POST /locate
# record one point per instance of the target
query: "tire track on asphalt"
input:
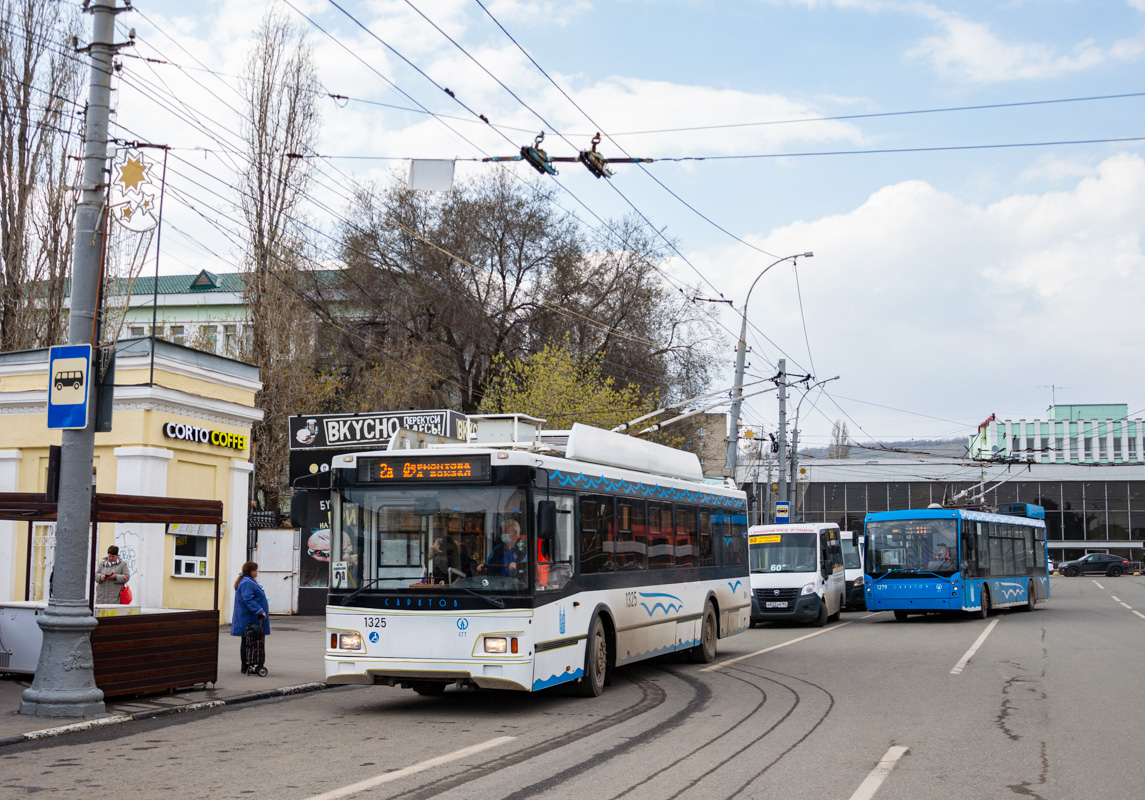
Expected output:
(747, 669)
(702, 694)
(710, 742)
(652, 696)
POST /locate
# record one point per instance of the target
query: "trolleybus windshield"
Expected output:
(430, 537)
(912, 546)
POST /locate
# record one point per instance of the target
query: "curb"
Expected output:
(117, 719)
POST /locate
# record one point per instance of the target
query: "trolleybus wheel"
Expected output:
(705, 651)
(821, 620)
(429, 688)
(984, 611)
(1031, 597)
(595, 661)
(900, 615)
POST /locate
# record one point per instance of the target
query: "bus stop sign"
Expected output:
(69, 373)
(782, 512)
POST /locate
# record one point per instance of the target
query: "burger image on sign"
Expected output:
(318, 545)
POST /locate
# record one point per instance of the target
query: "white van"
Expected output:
(853, 555)
(796, 572)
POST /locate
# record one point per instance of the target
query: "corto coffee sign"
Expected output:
(191, 433)
(358, 430)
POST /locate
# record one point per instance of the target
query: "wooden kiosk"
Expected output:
(156, 649)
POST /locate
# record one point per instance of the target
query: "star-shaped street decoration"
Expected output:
(133, 172)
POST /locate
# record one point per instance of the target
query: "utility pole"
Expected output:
(64, 685)
(781, 456)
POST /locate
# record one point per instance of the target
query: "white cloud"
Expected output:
(968, 305)
(970, 50)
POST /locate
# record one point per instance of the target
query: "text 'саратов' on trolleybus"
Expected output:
(956, 559)
(509, 564)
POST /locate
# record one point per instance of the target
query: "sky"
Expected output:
(954, 275)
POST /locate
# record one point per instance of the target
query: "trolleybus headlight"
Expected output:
(350, 641)
(808, 589)
(495, 644)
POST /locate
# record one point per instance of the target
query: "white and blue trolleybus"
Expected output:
(527, 564)
(956, 559)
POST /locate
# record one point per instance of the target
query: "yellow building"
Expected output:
(181, 428)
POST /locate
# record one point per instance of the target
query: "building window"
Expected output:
(136, 331)
(1059, 448)
(1116, 447)
(177, 334)
(190, 557)
(159, 332)
(703, 431)
(230, 339)
(210, 338)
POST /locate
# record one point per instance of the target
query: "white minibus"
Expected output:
(796, 572)
(853, 570)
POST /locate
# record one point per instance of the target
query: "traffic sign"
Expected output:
(69, 374)
(782, 511)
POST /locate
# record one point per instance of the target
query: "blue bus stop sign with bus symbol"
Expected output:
(69, 373)
(782, 512)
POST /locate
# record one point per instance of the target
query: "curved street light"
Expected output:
(741, 350)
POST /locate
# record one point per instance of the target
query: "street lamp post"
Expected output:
(741, 351)
(794, 491)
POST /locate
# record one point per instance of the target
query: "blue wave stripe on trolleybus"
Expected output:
(582, 481)
(564, 677)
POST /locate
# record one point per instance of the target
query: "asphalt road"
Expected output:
(1045, 707)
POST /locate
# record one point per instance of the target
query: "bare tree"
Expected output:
(281, 125)
(840, 446)
(39, 86)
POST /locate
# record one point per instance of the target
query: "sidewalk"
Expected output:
(294, 657)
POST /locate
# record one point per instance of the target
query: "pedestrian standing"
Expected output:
(110, 577)
(251, 608)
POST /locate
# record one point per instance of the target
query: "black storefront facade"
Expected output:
(317, 439)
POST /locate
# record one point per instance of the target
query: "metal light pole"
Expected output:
(64, 685)
(741, 351)
(794, 492)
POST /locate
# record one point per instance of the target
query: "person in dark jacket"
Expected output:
(251, 607)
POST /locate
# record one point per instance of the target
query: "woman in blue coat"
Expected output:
(251, 607)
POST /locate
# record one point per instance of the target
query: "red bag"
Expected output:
(125, 595)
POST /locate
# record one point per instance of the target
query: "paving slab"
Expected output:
(294, 660)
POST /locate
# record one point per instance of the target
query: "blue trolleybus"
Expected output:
(525, 564)
(955, 559)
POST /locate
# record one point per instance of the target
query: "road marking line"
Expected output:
(873, 613)
(1126, 605)
(723, 664)
(973, 649)
(388, 777)
(880, 773)
(1098, 585)
(1116, 599)
(1138, 613)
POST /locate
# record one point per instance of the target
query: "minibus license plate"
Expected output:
(777, 605)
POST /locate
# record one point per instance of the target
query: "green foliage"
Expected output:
(562, 387)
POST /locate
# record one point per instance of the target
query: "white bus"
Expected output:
(624, 553)
(796, 572)
(853, 544)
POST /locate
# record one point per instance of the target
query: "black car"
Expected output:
(1094, 564)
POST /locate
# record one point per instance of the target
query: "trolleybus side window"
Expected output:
(632, 544)
(597, 534)
(686, 536)
(555, 566)
(660, 545)
(708, 535)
